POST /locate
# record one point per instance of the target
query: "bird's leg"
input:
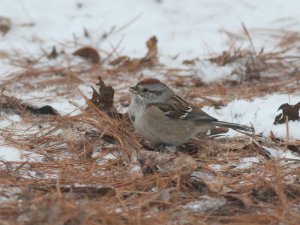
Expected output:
(165, 148)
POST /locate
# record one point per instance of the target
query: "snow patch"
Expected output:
(260, 112)
(280, 153)
(8, 153)
(209, 72)
(247, 162)
(206, 203)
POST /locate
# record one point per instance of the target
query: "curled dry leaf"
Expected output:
(289, 111)
(53, 54)
(104, 98)
(150, 59)
(89, 54)
(151, 56)
(5, 25)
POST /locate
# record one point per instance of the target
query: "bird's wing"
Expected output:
(178, 108)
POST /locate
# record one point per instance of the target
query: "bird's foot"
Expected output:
(165, 148)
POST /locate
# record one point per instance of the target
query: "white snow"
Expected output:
(244, 163)
(104, 159)
(280, 153)
(205, 203)
(209, 72)
(136, 169)
(8, 120)
(202, 175)
(189, 28)
(8, 153)
(247, 162)
(215, 166)
(261, 113)
(10, 193)
(185, 30)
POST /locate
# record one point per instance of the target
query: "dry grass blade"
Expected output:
(92, 168)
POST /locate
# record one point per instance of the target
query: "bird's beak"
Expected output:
(133, 90)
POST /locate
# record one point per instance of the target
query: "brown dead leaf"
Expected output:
(150, 59)
(294, 148)
(151, 56)
(272, 136)
(189, 62)
(104, 98)
(53, 54)
(3, 54)
(289, 111)
(5, 25)
(89, 54)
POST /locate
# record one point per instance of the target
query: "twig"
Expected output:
(249, 38)
(287, 131)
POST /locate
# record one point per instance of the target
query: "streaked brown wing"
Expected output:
(178, 108)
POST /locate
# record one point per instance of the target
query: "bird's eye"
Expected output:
(145, 90)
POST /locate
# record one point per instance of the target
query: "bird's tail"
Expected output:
(234, 126)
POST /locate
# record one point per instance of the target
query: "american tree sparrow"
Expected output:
(162, 117)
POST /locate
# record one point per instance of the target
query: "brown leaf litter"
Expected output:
(289, 113)
(124, 63)
(104, 98)
(10, 104)
(89, 54)
(5, 25)
(96, 170)
(53, 54)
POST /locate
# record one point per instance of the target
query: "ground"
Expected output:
(69, 154)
